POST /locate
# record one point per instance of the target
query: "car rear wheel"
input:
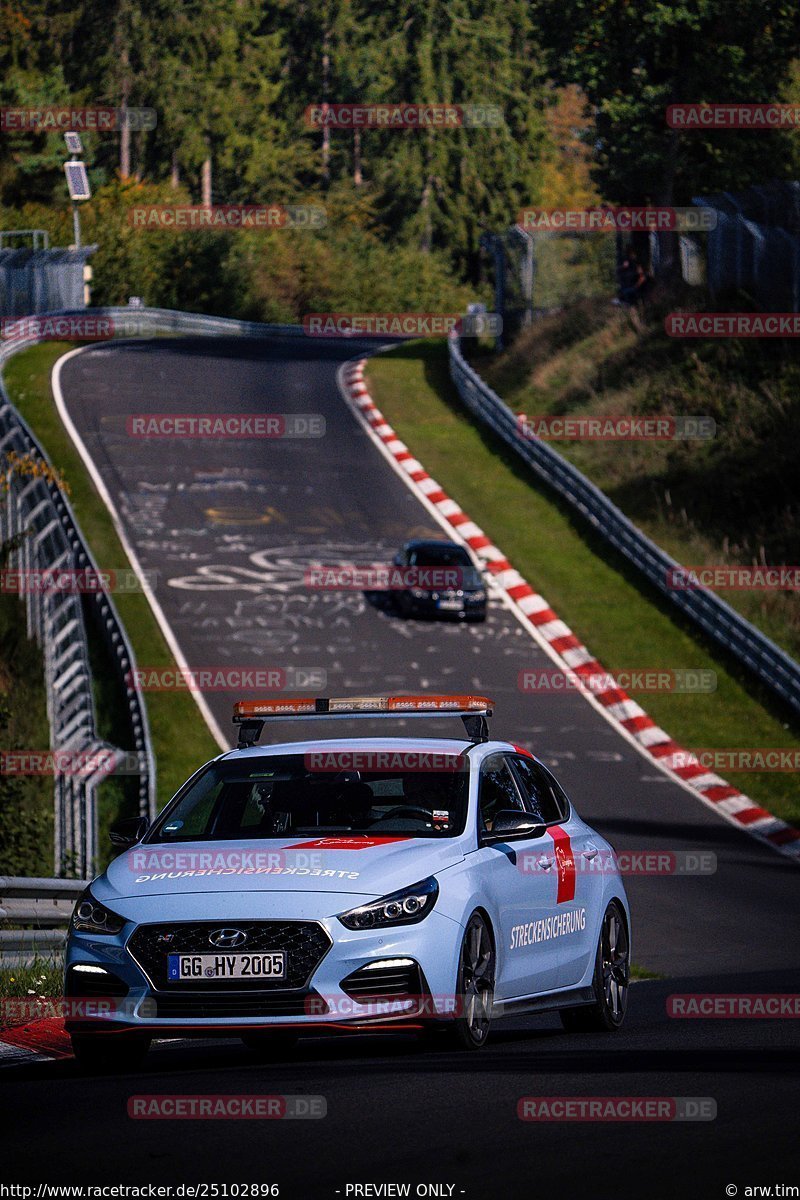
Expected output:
(611, 980)
(109, 1051)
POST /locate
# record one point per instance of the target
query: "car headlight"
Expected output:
(479, 594)
(90, 917)
(406, 907)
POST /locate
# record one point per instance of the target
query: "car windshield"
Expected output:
(443, 555)
(413, 795)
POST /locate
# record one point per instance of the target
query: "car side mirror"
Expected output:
(128, 831)
(509, 824)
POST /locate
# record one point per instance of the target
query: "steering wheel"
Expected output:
(407, 810)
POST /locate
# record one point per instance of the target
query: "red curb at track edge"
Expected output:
(731, 804)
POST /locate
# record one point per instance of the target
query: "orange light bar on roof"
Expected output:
(439, 703)
(358, 704)
(250, 709)
(379, 705)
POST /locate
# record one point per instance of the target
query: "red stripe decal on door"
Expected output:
(565, 862)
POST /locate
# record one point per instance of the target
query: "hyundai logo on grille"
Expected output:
(227, 939)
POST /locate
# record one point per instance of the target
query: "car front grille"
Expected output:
(248, 1004)
(305, 944)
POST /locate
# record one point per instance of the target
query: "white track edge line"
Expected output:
(158, 612)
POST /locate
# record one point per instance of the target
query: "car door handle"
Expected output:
(590, 852)
(546, 863)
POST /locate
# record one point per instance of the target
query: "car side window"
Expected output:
(562, 799)
(497, 790)
(541, 797)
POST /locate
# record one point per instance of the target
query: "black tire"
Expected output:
(474, 992)
(611, 980)
(266, 1044)
(109, 1051)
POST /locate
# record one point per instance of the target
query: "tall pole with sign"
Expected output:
(77, 181)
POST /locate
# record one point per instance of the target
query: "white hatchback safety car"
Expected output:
(351, 884)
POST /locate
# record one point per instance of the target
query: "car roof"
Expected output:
(434, 542)
(379, 745)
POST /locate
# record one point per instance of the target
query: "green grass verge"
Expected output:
(181, 740)
(42, 980)
(623, 622)
(26, 802)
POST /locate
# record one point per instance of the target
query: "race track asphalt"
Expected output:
(229, 528)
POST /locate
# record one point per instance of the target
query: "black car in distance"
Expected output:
(442, 581)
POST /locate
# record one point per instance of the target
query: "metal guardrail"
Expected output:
(45, 904)
(717, 619)
(137, 322)
(36, 513)
(39, 513)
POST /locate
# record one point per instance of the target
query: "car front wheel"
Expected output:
(474, 992)
(612, 970)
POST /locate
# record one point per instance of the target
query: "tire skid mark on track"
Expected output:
(564, 647)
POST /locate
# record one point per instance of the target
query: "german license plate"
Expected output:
(182, 967)
(451, 605)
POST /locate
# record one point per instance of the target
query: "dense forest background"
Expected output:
(582, 87)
